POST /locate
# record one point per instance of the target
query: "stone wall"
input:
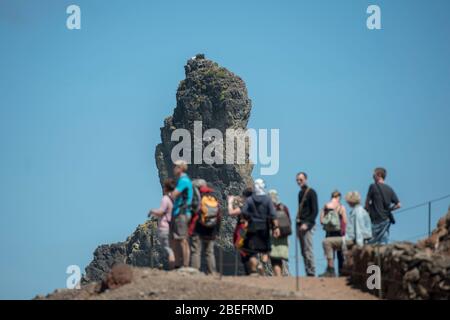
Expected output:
(408, 270)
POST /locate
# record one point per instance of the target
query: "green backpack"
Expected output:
(332, 220)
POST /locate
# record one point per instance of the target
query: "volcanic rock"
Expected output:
(218, 98)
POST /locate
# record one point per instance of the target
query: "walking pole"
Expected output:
(151, 244)
(297, 279)
(236, 263)
(221, 261)
(380, 291)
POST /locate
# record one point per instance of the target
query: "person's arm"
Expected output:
(359, 226)
(322, 214)
(395, 201)
(368, 198)
(181, 185)
(286, 210)
(246, 213)
(273, 216)
(178, 190)
(161, 210)
(350, 228)
(272, 211)
(344, 215)
(310, 220)
(303, 225)
(233, 211)
(314, 208)
(175, 194)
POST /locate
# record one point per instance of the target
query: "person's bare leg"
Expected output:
(265, 258)
(171, 259)
(277, 270)
(186, 252)
(175, 244)
(261, 262)
(329, 252)
(330, 263)
(252, 264)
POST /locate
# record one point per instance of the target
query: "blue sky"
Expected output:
(80, 111)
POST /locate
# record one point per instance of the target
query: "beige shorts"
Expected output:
(179, 227)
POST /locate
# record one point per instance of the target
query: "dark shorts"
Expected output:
(179, 227)
(257, 242)
(276, 261)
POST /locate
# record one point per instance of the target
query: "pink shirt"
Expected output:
(166, 208)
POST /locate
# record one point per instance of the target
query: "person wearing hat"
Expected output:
(203, 233)
(259, 211)
(358, 232)
(279, 253)
(234, 206)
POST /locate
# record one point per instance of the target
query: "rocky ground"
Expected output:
(152, 284)
(219, 98)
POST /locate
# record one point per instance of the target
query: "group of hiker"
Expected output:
(190, 216)
(189, 219)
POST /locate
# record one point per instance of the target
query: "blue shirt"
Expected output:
(359, 225)
(184, 186)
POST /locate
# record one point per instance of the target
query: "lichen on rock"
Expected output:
(218, 98)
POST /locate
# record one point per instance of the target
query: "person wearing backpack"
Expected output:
(259, 211)
(164, 216)
(333, 218)
(235, 205)
(279, 253)
(381, 201)
(181, 214)
(205, 227)
(358, 232)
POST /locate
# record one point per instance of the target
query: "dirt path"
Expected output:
(150, 284)
(310, 288)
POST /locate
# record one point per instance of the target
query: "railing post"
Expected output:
(429, 218)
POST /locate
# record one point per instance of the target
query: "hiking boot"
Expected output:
(329, 273)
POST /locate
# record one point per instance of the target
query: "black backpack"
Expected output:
(284, 221)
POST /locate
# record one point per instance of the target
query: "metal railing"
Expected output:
(236, 263)
(423, 204)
